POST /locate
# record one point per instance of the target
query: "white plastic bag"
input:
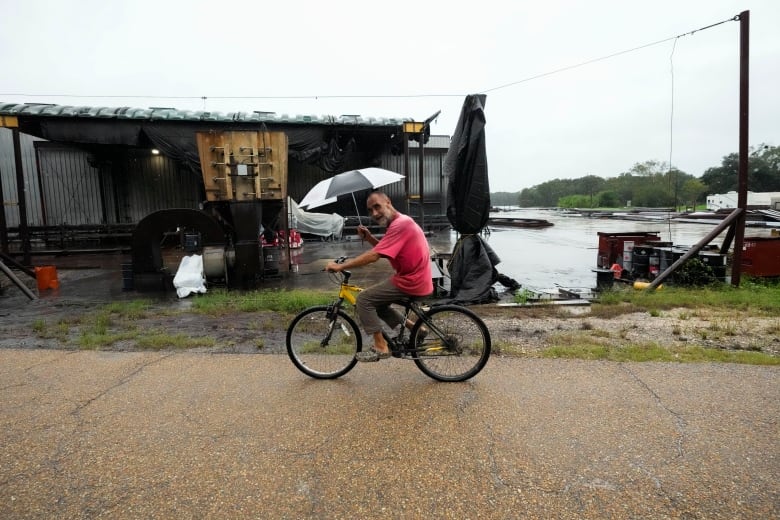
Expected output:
(189, 278)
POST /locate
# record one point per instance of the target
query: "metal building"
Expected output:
(83, 177)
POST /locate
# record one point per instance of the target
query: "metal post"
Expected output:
(26, 290)
(744, 96)
(728, 221)
(3, 223)
(406, 170)
(421, 174)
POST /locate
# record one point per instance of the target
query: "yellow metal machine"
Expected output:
(245, 181)
(243, 166)
(245, 178)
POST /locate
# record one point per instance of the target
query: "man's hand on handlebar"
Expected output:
(336, 265)
(333, 267)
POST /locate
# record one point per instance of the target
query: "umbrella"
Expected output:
(468, 191)
(472, 264)
(325, 192)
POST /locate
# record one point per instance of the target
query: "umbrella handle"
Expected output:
(357, 211)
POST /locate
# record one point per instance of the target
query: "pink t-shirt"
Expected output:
(405, 245)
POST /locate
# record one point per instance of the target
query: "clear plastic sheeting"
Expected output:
(320, 224)
(189, 278)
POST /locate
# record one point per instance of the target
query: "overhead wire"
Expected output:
(387, 96)
(613, 55)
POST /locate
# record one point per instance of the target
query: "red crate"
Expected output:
(612, 246)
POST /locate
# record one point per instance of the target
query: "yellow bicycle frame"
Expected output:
(349, 292)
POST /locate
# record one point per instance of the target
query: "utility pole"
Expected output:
(744, 96)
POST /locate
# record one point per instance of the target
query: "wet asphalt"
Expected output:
(184, 435)
(91, 434)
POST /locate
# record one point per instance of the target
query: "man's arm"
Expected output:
(369, 257)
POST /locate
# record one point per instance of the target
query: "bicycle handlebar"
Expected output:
(345, 274)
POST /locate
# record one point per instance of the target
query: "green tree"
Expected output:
(575, 201)
(692, 191)
(607, 199)
(723, 178)
(763, 171)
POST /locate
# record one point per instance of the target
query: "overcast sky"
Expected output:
(677, 99)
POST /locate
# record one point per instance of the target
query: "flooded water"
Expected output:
(565, 253)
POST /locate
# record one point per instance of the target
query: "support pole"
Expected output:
(3, 223)
(744, 96)
(26, 290)
(421, 174)
(406, 171)
(733, 216)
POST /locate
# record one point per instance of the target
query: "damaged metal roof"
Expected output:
(173, 114)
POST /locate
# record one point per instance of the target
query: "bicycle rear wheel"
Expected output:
(456, 346)
(323, 344)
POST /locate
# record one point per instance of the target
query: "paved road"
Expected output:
(183, 435)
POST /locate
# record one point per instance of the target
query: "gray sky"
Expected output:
(413, 58)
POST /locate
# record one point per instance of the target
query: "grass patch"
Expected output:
(132, 310)
(502, 347)
(59, 331)
(751, 297)
(39, 326)
(147, 340)
(219, 302)
(654, 352)
(90, 340)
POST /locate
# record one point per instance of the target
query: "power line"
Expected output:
(602, 58)
(384, 96)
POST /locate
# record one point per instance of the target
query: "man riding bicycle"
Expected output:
(405, 246)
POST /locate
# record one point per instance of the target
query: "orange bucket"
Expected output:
(46, 276)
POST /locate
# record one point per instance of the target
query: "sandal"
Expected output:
(371, 355)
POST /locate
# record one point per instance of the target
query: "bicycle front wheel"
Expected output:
(456, 346)
(323, 344)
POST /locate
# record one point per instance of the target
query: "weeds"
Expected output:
(220, 302)
(654, 352)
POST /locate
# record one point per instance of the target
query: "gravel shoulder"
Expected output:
(524, 331)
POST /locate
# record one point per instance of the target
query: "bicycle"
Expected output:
(447, 342)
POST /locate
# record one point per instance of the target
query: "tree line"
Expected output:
(651, 184)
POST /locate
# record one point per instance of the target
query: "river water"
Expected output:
(565, 254)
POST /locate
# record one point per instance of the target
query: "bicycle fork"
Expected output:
(333, 314)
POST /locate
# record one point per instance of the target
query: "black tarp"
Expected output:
(472, 264)
(326, 146)
(468, 190)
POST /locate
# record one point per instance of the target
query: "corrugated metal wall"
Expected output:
(141, 184)
(8, 178)
(302, 177)
(70, 187)
(77, 190)
(123, 188)
(433, 183)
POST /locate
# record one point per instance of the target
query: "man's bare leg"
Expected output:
(380, 345)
